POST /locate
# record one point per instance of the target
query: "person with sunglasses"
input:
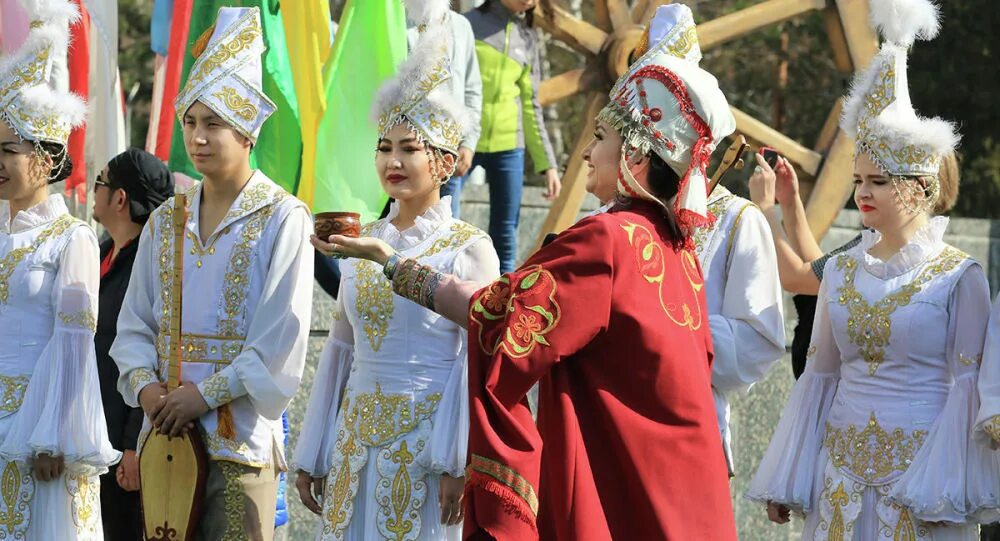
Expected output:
(126, 192)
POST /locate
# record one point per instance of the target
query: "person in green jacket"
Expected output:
(507, 46)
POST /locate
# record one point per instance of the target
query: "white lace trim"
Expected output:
(927, 241)
(40, 214)
(424, 226)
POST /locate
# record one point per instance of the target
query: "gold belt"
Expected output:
(202, 348)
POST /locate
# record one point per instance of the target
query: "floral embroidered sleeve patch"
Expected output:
(514, 313)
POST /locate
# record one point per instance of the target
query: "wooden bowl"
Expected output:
(347, 224)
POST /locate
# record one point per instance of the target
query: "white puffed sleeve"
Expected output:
(317, 434)
(62, 413)
(449, 439)
(787, 472)
(984, 490)
(934, 487)
(134, 348)
(748, 336)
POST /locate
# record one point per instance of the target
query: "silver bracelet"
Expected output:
(391, 264)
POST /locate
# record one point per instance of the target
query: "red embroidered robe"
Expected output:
(613, 324)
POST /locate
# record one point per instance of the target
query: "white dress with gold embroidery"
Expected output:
(51, 397)
(744, 300)
(393, 376)
(876, 439)
(987, 488)
(246, 313)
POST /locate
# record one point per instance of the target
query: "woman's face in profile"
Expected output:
(603, 156)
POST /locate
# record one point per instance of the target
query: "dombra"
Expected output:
(172, 470)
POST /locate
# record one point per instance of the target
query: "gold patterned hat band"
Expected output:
(419, 94)
(878, 110)
(227, 76)
(28, 102)
(671, 31)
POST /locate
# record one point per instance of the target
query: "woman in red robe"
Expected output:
(610, 320)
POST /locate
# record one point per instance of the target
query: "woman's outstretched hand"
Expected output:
(362, 248)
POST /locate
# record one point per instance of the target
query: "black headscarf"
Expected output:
(145, 179)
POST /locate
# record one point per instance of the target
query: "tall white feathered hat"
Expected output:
(667, 104)
(227, 76)
(419, 95)
(878, 111)
(426, 11)
(30, 101)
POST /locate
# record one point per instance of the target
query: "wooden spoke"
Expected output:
(808, 160)
(618, 13)
(643, 10)
(579, 35)
(838, 41)
(862, 42)
(830, 127)
(565, 208)
(566, 84)
(740, 23)
(602, 16)
(833, 186)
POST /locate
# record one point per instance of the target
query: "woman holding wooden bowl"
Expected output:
(383, 445)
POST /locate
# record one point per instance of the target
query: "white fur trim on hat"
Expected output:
(904, 21)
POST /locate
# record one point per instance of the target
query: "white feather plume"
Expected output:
(68, 107)
(904, 21)
(423, 57)
(47, 98)
(430, 50)
(56, 17)
(426, 11)
(54, 12)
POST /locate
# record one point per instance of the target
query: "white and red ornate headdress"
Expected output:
(228, 74)
(33, 99)
(668, 105)
(878, 111)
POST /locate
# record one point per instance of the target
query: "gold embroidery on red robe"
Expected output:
(649, 255)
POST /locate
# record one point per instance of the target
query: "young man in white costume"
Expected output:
(738, 261)
(53, 437)
(247, 292)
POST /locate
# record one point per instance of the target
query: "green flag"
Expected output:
(278, 151)
(369, 45)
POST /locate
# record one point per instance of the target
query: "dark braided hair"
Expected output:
(62, 164)
(664, 184)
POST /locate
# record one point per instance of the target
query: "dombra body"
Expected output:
(172, 470)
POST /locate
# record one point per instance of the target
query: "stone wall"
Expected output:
(755, 414)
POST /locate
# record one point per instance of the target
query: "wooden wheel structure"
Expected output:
(607, 43)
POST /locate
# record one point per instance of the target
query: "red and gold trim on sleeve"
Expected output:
(514, 491)
(515, 312)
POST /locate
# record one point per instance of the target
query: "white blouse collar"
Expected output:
(45, 212)
(927, 241)
(425, 224)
